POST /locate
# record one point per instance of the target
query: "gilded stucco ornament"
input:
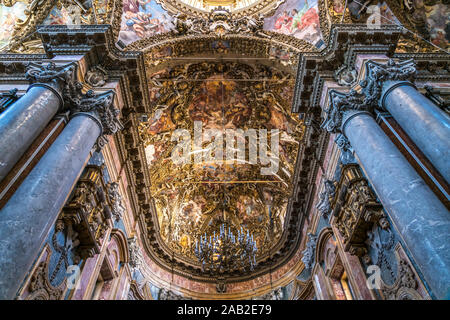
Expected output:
(36, 13)
(219, 22)
(40, 287)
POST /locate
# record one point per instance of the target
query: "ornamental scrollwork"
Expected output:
(377, 74)
(40, 287)
(339, 104)
(88, 212)
(65, 75)
(220, 22)
(102, 107)
(36, 13)
(356, 210)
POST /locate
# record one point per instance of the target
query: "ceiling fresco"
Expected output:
(194, 198)
(146, 18)
(73, 13)
(211, 4)
(297, 18)
(142, 19)
(9, 17)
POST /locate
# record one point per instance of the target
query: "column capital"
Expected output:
(61, 79)
(380, 78)
(99, 107)
(341, 108)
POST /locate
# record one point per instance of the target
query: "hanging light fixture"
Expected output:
(226, 252)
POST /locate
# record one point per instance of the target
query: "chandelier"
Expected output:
(226, 252)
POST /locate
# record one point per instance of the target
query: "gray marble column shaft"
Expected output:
(27, 218)
(420, 218)
(426, 124)
(24, 120)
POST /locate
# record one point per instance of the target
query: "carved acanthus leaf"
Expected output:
(102, 107)
(377, 73)
(338, 105)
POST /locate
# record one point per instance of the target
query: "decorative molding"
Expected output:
(89, 212)
(356, 210)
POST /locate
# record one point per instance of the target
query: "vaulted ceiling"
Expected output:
(230, 68)
(192, 199)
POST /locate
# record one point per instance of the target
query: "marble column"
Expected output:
(27, 218)
(421, 219)
(24, 120)
(425, 123)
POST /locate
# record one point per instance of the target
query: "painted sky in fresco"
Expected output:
(8, 18)
(142, 19)
(297, 18)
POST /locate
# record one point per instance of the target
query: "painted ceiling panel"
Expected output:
(194, 198)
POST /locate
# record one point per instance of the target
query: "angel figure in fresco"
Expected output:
(137, 21)
(283, 23)
(305, 18)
